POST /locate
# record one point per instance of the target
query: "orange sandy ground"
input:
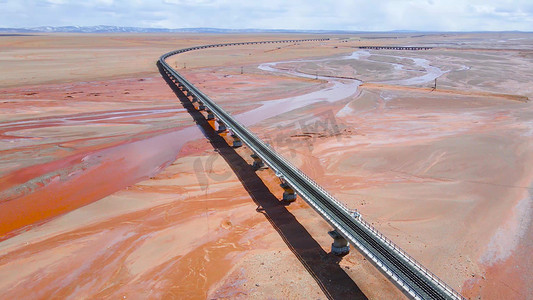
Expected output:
(408, 160)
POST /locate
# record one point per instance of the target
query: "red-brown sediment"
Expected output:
(442, 174)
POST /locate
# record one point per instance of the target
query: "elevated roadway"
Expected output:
(395, 48)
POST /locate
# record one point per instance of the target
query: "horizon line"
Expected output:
(39, 28)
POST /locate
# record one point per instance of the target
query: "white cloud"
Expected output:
(57, 1)
(429, 15)
(105, 2)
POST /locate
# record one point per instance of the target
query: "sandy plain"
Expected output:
(108, 188)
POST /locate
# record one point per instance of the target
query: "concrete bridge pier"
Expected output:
(210, 115)
(258, 162)
(289, 195)
(201, 105)
(221, 126)
(237, 142)
(340, 246)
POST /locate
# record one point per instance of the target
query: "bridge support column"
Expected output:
(340, 246)
(258, 162)
(236, 141)
(210, 115)
(221, 126)
(201, 106)
(289, 195)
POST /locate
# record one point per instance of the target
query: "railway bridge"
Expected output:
(349, 227)
(395, 48)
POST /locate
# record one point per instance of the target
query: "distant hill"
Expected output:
(118, 29)
(125, 29)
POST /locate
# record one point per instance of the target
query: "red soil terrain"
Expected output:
(110, 189)
(84, 145)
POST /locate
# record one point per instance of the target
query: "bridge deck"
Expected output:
(395, 48)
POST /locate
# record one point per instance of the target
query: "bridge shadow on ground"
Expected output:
(324, 267)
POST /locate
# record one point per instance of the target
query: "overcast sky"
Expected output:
(377, 15)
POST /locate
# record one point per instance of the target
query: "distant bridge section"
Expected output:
(395, 48)
(410, 276)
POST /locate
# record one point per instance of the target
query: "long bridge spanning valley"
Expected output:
(349, 227)
(394, 48)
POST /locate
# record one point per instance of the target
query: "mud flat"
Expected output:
(125, 197)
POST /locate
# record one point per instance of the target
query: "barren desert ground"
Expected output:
(109, 187)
